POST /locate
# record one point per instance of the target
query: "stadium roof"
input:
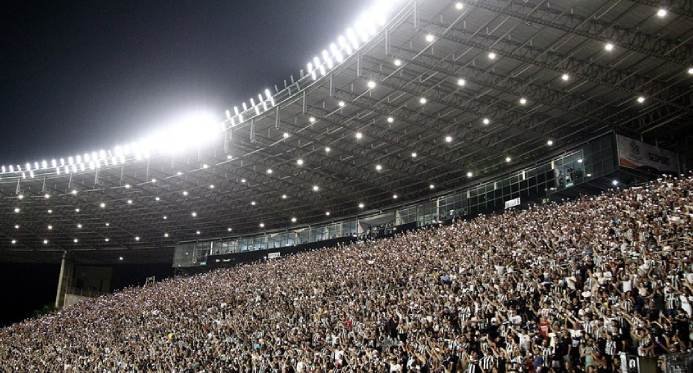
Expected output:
(417, 93)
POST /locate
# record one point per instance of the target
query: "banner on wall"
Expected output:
(274, 255)
(512, 203)
(638, 155)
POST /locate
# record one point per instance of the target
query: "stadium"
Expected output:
(473, 186)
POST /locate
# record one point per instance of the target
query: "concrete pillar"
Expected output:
(64, 280)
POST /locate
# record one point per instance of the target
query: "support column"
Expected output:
(64, 280)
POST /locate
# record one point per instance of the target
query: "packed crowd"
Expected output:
(560, 287)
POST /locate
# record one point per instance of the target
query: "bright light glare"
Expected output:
(187, 131)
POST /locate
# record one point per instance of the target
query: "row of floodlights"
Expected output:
(365, 28)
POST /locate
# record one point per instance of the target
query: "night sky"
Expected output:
(81, 76)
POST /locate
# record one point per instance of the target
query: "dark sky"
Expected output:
(80, 76)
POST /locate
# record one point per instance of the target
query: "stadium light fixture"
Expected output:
(459, 5)
(181, 133)
(262, 225)
(565, 77)
(75, 240)
(79, 226)
(549, 142)
(371, 84)
(359, 135)
(486, 121)
(193, 214)
(662, 12)
(470, 174)
(50, 211)
(395, 196)
(45, 242)
(166, 235)
(523, 101)
(13, 242)
(327, 149)
(229, 229)
(508, 159)
(430, 38)
(362, 205)
(327, 213)
(102, 205)
(157, 198)
(461, 82)
(269, 171)
(46, 196)
(20, 197)
(390, 120)
(690, 70)
(311, 119)
(17, 210)
(378, 167)
(341, 104)
(414, 155)
(253, 203)
(431, 186)
(640, 99)
(448, 139)
(49, 227)
(293, 219)
(137, 238)
(609, 47)
(16, 226)
(299, 162)
(397, 62)
(285, 135)
(284, 196)
(492, 56)
(316, 188)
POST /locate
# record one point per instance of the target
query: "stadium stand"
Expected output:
(578, 286)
